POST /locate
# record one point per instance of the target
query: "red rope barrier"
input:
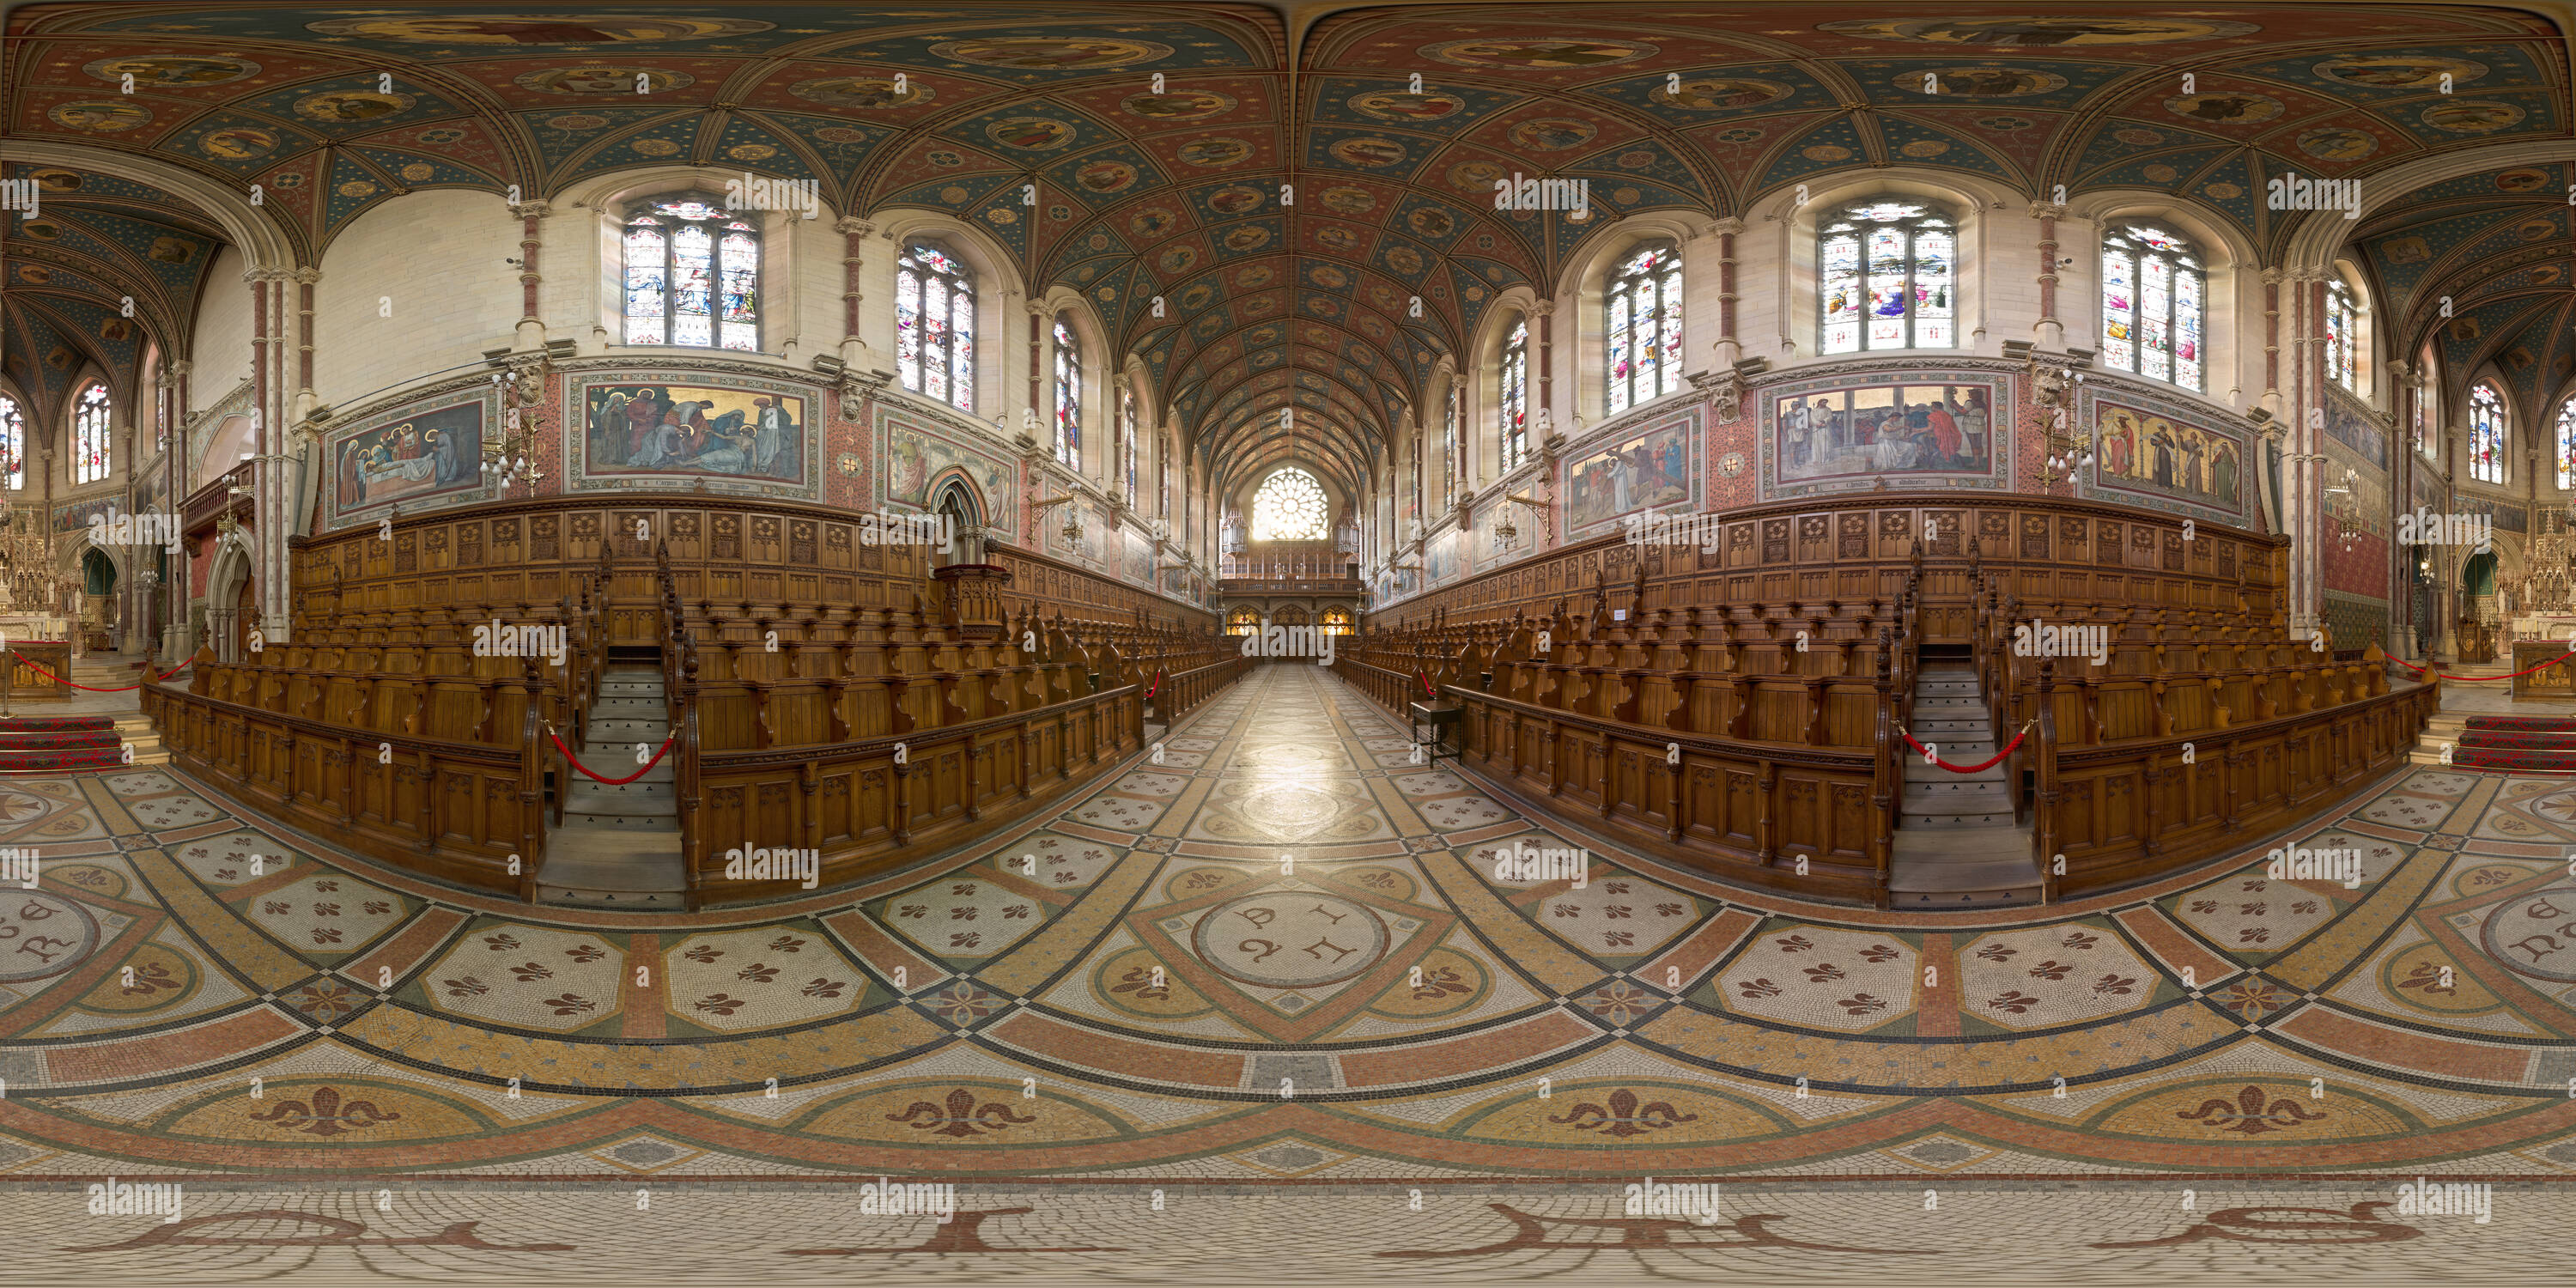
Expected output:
(125, 688)
(1156, 686)
(2474, 679)
(1970, 769)
(575, 762)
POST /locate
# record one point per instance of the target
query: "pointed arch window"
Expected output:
(2486, 433)
(2567, 445)
(92, 435)
(1514, 401)
(2423, 400)
(1449, 451)
(1289, 507)
(13, 442)
(2341, 335)
(934, 325)
(1127, 442)
(692, 276)
(2153, 304)
(1068, 396)
(1644, 327)
(1888, 277)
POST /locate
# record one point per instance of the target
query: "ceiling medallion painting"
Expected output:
(2224, 109)
(1391, 105)
(1178, 106)
(102, 117)
(340, 106)
(1051, 54)
(2472, 118)
(1539, 55)
(598, 79)
(553, 29)
(2040, 32)
(1979, 82)
(1029, 133)
(173, 71)
(1719, 95)
(2400, 71)
(866, 93)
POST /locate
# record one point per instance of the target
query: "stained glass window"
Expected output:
(1068, 396)
(2152, 305)
(1514, 402)
(934, 325)
(2566, 443)
(1163, 475)
(2486, 434)
(1127, 441)
(1645, 327)
(1289, 507)
(1449, 452)
(13, 442)
(2340, 334)
(1887, 278)
(692, 276)
(91, 435)
(2426, 441)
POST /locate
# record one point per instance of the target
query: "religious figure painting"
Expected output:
(1885, 429)
(645, 429)
(1650, 469)
(917, 458)
(409, 455)
(2139, 451)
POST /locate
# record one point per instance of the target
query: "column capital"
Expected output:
(532, 209)
(1728, 227)
(308, 276)
(2048, 210)
(851, 225)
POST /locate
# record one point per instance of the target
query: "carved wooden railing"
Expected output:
(465, 812)
(1757, 812)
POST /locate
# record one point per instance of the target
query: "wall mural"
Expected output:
(1636, 471)
(430, 449)
(644, 430)
(918, 452)
(2143, 457)
(1439, 560)
(1140, 559)
(76, 516)
(1940, 429)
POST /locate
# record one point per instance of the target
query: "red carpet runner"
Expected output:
(40, 744)
(2518, 742)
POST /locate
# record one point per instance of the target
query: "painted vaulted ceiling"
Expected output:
(1177, 192)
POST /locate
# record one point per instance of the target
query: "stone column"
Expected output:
(854, 236)
(1729, 350)
(532, 326)
(2049, 334)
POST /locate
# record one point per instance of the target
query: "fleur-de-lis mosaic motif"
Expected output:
(964, 1117)
(1624, 1117)
(325, 1115)
(2251, 1113)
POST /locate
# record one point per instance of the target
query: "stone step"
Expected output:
(622, 822)
(1978, 726)
(622, 733)
(1975, 705)
(653, 793)
(1959, 794)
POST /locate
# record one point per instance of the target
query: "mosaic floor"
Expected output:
(1273, 981)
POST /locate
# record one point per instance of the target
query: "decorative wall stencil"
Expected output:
(2143, 457)
(919, 452)
(656, 430)
(1637, 469)
(426, 450)
(1935, 429)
